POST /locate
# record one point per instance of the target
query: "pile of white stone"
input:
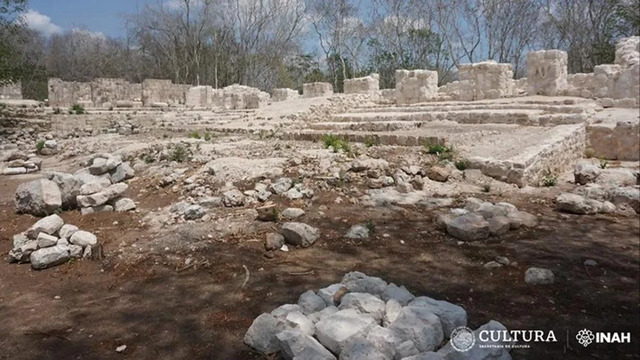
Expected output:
(96, 188)
(18, 162)
(50, 242)
(363, 317)
(479, 220)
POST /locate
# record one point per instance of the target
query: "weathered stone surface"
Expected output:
(521, 218)
(102, 165)
(281, 185)
(273, 241)
(296, 345)
(626, 195)
(83, 238)
(194, 212)
(96, 209)
(39, 197)
(539, 276)
(67, 230)
(391, 311)
(48, 225)
(356, 281)
(21, 253)
(400, 294)
(69, 187)
(577, 204)
(232, 198)
(48, 257)
(95, 186)
(451, 316)
(123, 204)
(358, 232)
(122, 172)
(419, 325)
(310, 302)
(103, 196)
(499, 225)
(46, 240)
(361, 348)
(585, 172)
(297, 321)
(317, 316)
(364, 303)
(75, 251)
(406, 349)
(292, 213)
(469, 227)
(439, 173)
(261, 336)
(300, 234)
(334, 331)
(282, 311)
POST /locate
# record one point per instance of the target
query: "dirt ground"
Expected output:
(162, 308)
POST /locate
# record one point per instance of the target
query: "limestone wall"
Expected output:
(316, 89)
(416, 86)
(547, 72)
(67, 93)
(283, 94)
(12, 91)
(156, 91)
(111, 92)
(621, 142)
(365, 84)
(488, 80)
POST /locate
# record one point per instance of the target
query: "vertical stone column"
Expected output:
(547, 72)
(416, 86)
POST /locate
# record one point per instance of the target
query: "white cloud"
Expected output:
(41, 23)
(89, 33)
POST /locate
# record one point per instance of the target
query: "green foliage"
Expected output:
(194, 135)
(148, 159)
(604, 163)
(3, 106)
(437, 149)
(369, 224)
(462, 164)
(330, 140)
(178, 154)
(77, 109)
(549, 180)
(486, 188)
(371, 141)
(39, 145)
(207, 136)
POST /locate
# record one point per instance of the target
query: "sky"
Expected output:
(99, 16)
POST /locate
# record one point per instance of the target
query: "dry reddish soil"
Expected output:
(162, 309)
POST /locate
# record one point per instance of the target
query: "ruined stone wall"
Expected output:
(547, 72)
(316, 89)
(488, 80)
(204, 96)
(621, 142)
(64, 94)
(161, 92)
(284, 94)
(12, 91)
(107, 92)
(365, 84)
(416, 86)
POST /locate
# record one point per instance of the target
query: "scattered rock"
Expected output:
(300, 234)
(39, 197)
(539, 276)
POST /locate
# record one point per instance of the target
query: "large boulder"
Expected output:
(585, 172)
(102, 197)
(470, 227)
(538, 276)
(310, 302)
(420, 325)
(48, 225)
(451, 316)
(300, 234)
(69, 187)
(577, 204)
(365, 304)
(121, 173)
(296, 345)
(50, 256)
(261, 335)
(335, 331)
(39, 197)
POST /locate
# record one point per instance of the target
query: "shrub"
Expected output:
(437, 149)
(370, 141)
(194, 135)
(462, 165)
(77, 109)
(39, 145)
(178, 154)
(486, 188)
(207, 136)
(336, 143)
(549, 180)
(604, 163)
(369, 224)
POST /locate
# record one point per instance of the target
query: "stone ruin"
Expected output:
(367, 84)
(415, 86)
(284, 94)
(233, 97)
(107, 93)
(547, 72)
(11, 91)
(317, 89)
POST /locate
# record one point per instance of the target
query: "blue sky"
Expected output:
(103, 16)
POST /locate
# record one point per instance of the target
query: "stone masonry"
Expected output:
(416, 86)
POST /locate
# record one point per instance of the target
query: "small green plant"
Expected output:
(604, 163)
(77, 109)
(3, 106)
(178, 154)
(149, 159)
(549, 180)
(40, 146)
(336, 143)
(207, 136)
(486, 188)
(276, 215)
(437, 149)
(194, 135)
(369, 224)
(462, 165)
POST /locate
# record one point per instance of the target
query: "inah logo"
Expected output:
(585, 337)
(462, 339)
